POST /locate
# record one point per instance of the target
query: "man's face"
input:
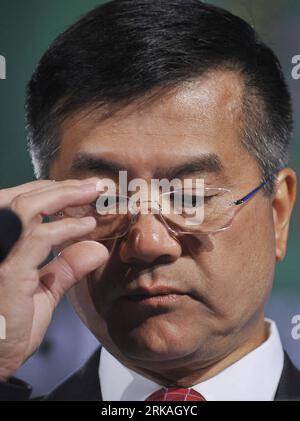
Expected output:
(225, 276)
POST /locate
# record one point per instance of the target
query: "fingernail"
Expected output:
(88, 220)
(99, 185)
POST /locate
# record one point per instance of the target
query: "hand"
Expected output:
(28, 295)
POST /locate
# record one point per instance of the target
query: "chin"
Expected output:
(155, 340)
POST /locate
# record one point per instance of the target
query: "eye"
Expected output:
(190, 200)
(209, 198)
(186, 199)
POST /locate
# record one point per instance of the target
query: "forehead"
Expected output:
(200, 117)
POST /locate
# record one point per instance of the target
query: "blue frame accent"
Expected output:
(251, 194)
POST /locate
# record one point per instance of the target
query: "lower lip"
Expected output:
(156, 300)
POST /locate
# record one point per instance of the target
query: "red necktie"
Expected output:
(175, 394)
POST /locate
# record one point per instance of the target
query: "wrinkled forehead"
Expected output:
(200, 119)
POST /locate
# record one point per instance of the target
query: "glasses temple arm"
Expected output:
(251, 194)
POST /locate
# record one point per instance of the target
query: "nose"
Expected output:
(148, 240)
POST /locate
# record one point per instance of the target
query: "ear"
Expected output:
(282, 204)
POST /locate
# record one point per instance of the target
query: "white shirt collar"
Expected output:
(254, 377)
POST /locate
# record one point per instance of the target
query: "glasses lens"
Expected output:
(110, 212)
(198, 210)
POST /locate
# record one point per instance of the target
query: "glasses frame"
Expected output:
(177, 233)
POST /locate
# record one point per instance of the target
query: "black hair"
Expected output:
(125, 49)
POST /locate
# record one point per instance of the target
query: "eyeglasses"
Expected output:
(182, 211)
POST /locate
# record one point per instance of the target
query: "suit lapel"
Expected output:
(83, 385)
(289, 385)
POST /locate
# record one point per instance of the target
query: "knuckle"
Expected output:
(20, 202)
(48, 233)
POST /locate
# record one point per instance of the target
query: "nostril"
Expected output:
(163, 259)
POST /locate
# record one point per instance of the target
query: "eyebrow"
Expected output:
(205, 163)
(84, 161)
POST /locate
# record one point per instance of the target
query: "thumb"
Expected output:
(71, 265)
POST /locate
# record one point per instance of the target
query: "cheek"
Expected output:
(240, 268)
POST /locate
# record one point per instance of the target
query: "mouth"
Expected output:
(159, 295)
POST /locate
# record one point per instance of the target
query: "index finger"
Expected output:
(8, 194)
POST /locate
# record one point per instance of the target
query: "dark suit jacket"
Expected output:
(84, 385)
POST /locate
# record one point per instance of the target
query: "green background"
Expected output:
(28, 27)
